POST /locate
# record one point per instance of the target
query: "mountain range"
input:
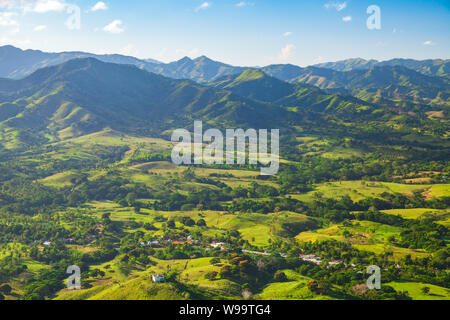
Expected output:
(59, 96)
(398, 82)
(86, 95)
(378, 82)
(16, 63)
(431, 67)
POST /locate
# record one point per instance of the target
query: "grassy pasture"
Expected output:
(294, 289)
(139, 286)
(398, 252)
(414, 213)
(361, 232)
(359, 190)
(415, 290)
(60, 180)
(363, 235)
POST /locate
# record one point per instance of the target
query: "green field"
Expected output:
(358, 190)
(415, 212)
(415, 290)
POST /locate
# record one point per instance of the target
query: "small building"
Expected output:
(311, 258)
(158, 278)
(217, 244)
(47, 243)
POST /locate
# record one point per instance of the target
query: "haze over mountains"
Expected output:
(16, 63)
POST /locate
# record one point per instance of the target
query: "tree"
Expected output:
(171, 224)
(131, 198)
(324, 287)
(425, 290)
(313, 286)
(187, 221)
(225, 272)
(211, 275)
(280, 276)
(5, 288)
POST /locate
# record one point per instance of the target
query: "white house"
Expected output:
(158, 278)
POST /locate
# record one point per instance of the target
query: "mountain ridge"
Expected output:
(201, 69)
(86, 95)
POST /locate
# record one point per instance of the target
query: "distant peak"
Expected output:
(185, 59)
(10, 47)
(203, 58)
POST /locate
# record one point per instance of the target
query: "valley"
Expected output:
(87, 179)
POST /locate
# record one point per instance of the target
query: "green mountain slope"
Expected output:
(86, 95)
(387, 84)
(257, 85)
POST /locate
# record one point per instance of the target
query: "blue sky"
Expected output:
(251, 33)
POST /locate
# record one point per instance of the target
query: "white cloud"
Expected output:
(40, 28)
(429, 43)
(129, 50)
(14, 42)
(286, 52)
(36, 6)
(49, 6)
(7, 19)
(162, 53)
(99, 6)
(11, 3)
(244, 4)
(190, 53)
(319, 59)
(339, 6)
(347, 19)
(287, 34)
(203, 6)
(114, 27)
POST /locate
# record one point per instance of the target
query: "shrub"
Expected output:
(280, 276)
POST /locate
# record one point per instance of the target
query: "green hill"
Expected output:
(85, 95)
